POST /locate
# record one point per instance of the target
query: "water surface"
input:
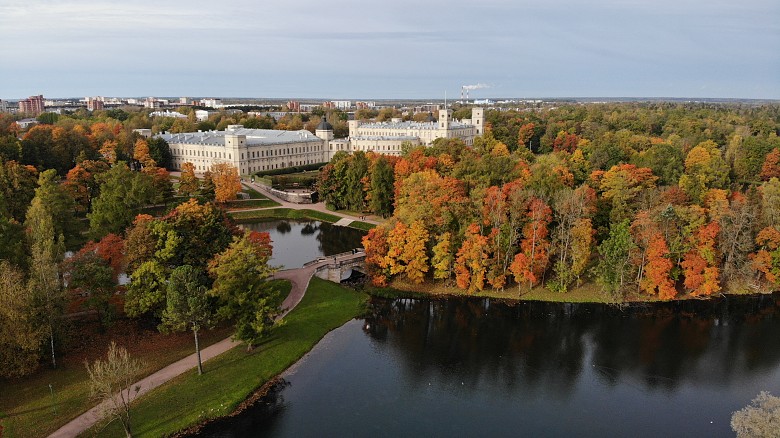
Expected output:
(296, 242)
(474, 367)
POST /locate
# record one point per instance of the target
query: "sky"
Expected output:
(400, 49)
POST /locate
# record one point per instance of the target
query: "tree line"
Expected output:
(651, 199)
(69, 231)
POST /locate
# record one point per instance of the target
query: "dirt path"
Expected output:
(299, 278)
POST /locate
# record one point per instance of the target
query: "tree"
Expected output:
(382, 181)
(771, 166)
(443, 257)
(90, 274)
(141, 154)
(240, 273)
(622, 185)
(471, 261)
(111, 384)
(82, 184)
(188, 182)
(530, 264)
(227, 182)
(376, 247)
(160, 152)
(46, 253)
(704, 169)
(614, 267)
(207, 190)
(700, 265)
(767, 259)
(122, 193)
(17, 188)
(760, 419)
(188, 305)
(21, 335)
(58, 202)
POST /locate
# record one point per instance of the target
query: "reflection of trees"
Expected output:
(334, 239)
(309, 229)
(533, 345)
(283, 227)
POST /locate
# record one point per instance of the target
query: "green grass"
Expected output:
(251, 203)
(365, 226)
(283, 213)
(27, 402)
(253, 194)
(232, 377)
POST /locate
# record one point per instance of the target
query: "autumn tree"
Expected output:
(530, 264)
(767, 259)
(227, 182)
(574, 234)
(771, 167)
(376, 248)
(188, 305)
(443, 257)
(471, 260)
(240, 276)
(704, 169)
(760, 419)
(141, 154)
(700, 265)
(188, 182)
(622, 185)
(82, 184)
(654, 266)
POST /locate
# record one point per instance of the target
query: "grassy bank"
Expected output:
(283, 213)
(586, 293)
(251, 203)
(365, 226)
(27, 408)
(232, 377)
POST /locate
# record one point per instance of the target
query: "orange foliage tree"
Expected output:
(376, 247)
(767, 259)
(471, 261)
(700, 264)
(227, 182)
(771, 166)
(529, 265)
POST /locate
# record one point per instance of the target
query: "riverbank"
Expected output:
(588, 292)
(235, 375)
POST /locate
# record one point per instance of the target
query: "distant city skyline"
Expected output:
(398, 50)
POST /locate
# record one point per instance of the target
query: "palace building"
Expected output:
(255, 150)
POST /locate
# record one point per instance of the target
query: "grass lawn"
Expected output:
(251, 203)
(232, 377)
(26, 405)
(283, 213)
(253, 194)
(365, 226)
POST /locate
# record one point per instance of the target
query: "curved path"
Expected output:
(299, 278)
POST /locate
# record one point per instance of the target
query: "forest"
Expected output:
(85, 201)
(646, 200)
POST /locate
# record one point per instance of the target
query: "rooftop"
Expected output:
(412, 125)
(254, 137)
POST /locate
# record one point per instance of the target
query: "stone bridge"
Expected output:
(338, 267)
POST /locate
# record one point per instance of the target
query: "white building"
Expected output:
(203, 115)
(256, 150)
(167, 113)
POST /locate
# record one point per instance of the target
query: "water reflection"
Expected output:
(659, 346)
(477, 367)
(296, 242)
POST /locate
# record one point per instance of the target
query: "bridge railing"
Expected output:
(336, 256)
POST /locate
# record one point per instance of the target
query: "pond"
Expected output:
(476, 367)
(296, 242)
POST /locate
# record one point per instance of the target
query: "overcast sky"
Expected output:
(390, 49)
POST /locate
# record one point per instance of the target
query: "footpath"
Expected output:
(299, 278)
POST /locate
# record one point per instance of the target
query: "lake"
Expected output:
(477, 367)
(296, 242)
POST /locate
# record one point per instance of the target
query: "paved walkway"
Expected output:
(299, 278)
